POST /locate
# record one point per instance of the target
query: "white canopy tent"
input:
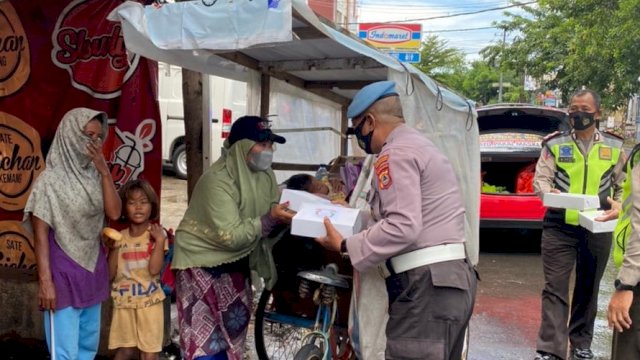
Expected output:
(307, 79)
(305, 71)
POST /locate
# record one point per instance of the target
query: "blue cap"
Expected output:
(369, 95)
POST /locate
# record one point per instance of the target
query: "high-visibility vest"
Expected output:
(623, 227)
(576, 174)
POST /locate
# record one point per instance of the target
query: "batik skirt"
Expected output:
(214, 309)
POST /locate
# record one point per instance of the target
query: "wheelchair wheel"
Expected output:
(277, 336)
(309, 352)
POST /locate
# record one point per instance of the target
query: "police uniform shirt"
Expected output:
(630, 270)
(546, 168)
(415, 199)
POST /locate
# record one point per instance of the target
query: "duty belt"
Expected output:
(421, 257)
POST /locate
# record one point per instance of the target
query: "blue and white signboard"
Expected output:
(406, 56)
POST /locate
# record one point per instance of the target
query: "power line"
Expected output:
(458, 30)
(428, 4)
(426, 8)
(452, 15)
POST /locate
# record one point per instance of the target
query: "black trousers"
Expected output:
(564, 246)
(429, 311)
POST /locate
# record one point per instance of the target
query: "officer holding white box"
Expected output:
(584, 161)
(417, 241)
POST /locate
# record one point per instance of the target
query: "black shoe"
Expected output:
(546, 356)
(582, 354)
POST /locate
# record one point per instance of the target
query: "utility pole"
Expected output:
(504, 40)
(193, 112)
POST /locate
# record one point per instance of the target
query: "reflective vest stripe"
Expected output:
(623, 227)
(577, 175)
(562, 181)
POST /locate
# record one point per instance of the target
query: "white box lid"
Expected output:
(297, 197)
(571, 201)
(339, 215)
(587, 221)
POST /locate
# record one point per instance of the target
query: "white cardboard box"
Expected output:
(587, 221)
(571, 201)
(309, 221)
(296, 198)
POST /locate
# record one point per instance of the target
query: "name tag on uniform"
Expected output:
(605, 153)
(566, 154)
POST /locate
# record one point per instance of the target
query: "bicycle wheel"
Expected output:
(277, 336)
(309, 352)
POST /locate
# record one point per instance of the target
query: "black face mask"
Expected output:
(364, 141)
(582, 120)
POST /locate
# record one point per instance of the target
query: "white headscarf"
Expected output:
(68, 193)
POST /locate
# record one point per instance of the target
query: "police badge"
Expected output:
(566, 154)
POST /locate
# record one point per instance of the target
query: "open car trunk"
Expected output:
(508, 178)
(507, 199)
(510, 145)
(508, 158)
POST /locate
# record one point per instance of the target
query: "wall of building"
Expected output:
(19, 299)
(324, 8)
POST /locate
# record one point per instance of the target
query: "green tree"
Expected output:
(480, 81)
(570, 44)
(441, 62)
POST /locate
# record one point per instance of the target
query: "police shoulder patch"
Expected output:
(551, 136)
(612, 134)
(383, 173)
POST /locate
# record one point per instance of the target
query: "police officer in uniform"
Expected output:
(624, 307)
(417, 241)
(583, 161)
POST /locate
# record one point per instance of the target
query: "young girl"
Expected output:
(135, 263)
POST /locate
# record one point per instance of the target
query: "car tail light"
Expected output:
(226, 123)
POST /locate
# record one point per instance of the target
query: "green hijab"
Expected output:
(222, 222)
(257, 190)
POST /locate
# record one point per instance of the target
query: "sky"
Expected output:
(470, 42)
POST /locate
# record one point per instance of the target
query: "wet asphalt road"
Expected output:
(507, 313)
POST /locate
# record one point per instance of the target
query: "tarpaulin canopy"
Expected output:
(306, 71)
(328, 63)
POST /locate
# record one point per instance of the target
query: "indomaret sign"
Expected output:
(391, 36)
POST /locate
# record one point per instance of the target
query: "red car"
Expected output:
(510, 144)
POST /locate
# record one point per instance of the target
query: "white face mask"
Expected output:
(260, 161)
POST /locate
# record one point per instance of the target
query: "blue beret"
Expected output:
(370, 94)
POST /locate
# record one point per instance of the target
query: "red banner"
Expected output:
(57, 55)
